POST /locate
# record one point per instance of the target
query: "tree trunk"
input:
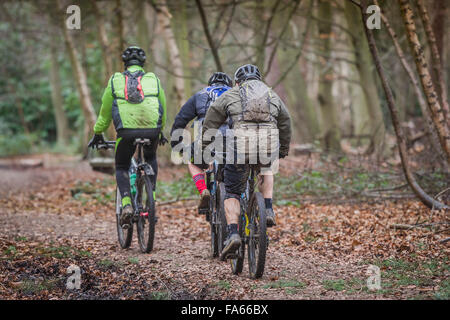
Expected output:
(120, 36)
(209, 38)
(164, 16)
(81, 81)
(440, 14)
(424, 197)
(62, 126)
(19, 106)
(103, 39)
(106, 55)
(425, 77)
(180, 19)
(367, 79)
(432, 135)
(330, 135)
(435, 57)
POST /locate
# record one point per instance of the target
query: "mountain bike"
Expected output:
(252, 230)
(142, 199)
(215, 214)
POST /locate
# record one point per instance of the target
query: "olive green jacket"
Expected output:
(229, 105)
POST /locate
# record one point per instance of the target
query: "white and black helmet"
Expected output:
(247, 72)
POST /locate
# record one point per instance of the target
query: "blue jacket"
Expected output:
(196, 107)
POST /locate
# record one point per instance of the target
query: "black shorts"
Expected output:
(235, 178)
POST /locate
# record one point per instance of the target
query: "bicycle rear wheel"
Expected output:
(124, 235)
(221, 221)
(258, 239)
(147, 217)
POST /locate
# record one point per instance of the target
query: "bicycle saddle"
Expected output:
(142, 141)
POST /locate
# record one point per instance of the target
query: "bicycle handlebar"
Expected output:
(106, 145)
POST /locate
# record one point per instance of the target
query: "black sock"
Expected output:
(232, 228)
(268, 203)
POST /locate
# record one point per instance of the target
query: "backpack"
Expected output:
(133, 87)
(214, 93)
(255, 100)
(257, 123)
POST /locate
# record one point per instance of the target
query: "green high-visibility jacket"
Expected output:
(150, 113)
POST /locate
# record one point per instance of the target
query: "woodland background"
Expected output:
(366, 181)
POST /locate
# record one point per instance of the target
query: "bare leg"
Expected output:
(266, 186)
(194, 170)
(232, 210)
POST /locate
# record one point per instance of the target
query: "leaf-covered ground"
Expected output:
(51, 218)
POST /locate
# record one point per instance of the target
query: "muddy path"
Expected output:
(315, 252)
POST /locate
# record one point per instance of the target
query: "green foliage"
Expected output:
(34, 287)
(397, 273)
(347, 285)
(19, 144)
(177, 189)
(99, 190)
(284, 284)
(160, 295)
(351, 183)
(108, 264)
(444, 290)
(133, 260)
(223, 284)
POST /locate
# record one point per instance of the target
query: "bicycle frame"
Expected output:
(245, 199)
(142, 168)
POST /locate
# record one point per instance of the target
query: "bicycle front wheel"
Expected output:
(147, 216)
(258, 239)
(213, 225)
(124, 235)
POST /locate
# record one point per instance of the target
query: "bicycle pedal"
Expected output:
(232, 256)
(203, 211)
(126, 226)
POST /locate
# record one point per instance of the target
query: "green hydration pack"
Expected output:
(257, 121)
(136, 104)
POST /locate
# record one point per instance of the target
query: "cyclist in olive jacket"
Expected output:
(233, 106)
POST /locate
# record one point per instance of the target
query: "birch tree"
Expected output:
(425, 77)
(88, 111)
(421, 194)
(164, 17)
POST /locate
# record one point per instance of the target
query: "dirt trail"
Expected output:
(298, 265)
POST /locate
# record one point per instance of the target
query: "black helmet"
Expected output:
(220, 77)
(247, 72)
(132, 56)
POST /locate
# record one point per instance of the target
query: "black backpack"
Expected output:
(133, 87)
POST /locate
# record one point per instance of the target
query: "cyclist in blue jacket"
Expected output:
(196, 107)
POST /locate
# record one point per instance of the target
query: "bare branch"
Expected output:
(208, 35)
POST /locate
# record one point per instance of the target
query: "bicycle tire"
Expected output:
(124, 235)
(258, 240)
(221, 219)
(214, 251)
(146, 241)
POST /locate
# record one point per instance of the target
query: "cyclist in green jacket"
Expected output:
(135, 101)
